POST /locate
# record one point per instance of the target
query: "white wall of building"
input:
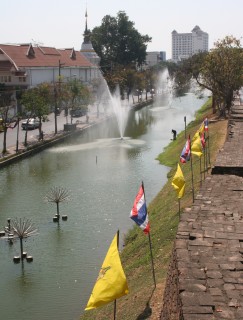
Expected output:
(36, 76)
(184, 45)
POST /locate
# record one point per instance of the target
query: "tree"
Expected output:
(220, 71)
(37, 102)
(22, 229)
(6, 99)
(75, 95)
(117, 42)
(57, 195)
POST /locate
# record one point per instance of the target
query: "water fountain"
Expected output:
(121, 111)
(119, 107)
(164, 88)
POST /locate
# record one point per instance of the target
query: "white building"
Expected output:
(153, 58)
(184, 45)
(24, 66)
(27, 66)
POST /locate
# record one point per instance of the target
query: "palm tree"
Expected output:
(22, 228)
(57, 195)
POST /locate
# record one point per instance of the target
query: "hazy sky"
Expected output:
(61, 24)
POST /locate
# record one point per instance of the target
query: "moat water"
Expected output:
(103, 174)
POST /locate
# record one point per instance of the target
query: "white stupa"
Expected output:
(87, 48)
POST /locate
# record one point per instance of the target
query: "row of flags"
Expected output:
(195, 146)
(111, 283)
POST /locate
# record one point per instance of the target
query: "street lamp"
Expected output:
(55, 93)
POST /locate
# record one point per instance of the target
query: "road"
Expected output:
(47, 127)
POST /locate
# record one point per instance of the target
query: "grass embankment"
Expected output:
(143, 302)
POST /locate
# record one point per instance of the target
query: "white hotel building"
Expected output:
(184, 45)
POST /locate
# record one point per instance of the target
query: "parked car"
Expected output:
(78, 112)
(30, 124)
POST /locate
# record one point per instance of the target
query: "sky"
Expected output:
(60, 24)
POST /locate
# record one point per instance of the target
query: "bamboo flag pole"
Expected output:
(150, 244)
(152, 260)
(179, 203)
(205, 161)
(200, 170)
(191, 170)
(206, 155)
(115, 309)
(118, 250)
(209, 152)
(185, 125)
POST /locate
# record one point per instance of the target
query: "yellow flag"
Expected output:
(111, 283)
(202, 128)
(196, 146)
(178, 182)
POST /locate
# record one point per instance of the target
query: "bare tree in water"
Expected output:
(57, 195)
(22, 228)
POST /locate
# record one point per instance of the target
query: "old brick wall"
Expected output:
(172, 303)
(205, 277)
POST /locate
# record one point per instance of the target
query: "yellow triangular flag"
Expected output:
(196, 146)
(111, 283)
(202, 128)
(178, 182)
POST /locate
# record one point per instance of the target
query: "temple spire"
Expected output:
(86, 22)
(86, 47)
(86, 31)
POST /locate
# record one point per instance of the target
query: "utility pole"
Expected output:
(55, 92)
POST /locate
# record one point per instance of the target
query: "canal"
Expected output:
(103, 174)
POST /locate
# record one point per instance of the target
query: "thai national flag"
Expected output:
(186, 152)
(139, 211)
(203, 141)
(206, 124)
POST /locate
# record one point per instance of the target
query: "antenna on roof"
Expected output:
(37, 43)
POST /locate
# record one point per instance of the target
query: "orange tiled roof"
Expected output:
(25, 55)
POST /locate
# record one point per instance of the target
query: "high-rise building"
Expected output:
(184, 45)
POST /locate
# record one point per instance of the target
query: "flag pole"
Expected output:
(118, 251)
(179, 203)
(115, 309)
(152, 260)
(206, 156)
(191, 170)
(150, 245)
(204, 161)
(208, 152)
(200, 170)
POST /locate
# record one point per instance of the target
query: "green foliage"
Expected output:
(117, 42)
(220, 71)
(6, 97)
(37, 100)
(75, 94)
